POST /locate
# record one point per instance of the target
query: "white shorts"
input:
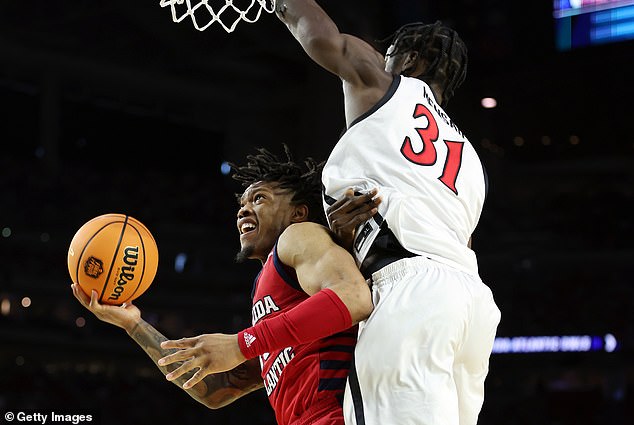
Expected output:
(423, 354)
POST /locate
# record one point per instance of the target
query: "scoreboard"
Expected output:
(580, 23)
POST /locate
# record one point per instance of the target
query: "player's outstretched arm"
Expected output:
(214, 391)
(339, 298)
(349, 57)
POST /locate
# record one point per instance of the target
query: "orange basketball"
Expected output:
(114, 254)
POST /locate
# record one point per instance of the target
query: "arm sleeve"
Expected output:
(319, 316)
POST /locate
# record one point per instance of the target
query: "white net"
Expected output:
(227, 13)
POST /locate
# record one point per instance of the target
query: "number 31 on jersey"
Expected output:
(428, 155)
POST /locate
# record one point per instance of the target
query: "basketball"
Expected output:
(114, 254)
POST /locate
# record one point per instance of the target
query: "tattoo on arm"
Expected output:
(215, 390)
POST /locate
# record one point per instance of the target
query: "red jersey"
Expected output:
(304, 382)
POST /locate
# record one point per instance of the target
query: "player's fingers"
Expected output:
(361, 201)
(180, 371)
(351, 204)
(372, 193)
(80, 295)
(348, 194)
(179, 343)
(362, 207)
(93, 299)
(177, 356)
(362, 217)
(128, 305)
(354, 218)
(196, 378)
(347, 212)
(172, 358)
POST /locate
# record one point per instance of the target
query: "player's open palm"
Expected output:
(125, 316)
(209, 353)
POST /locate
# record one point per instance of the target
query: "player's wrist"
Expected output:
(321, 315)
(131, 326)
(238, 350)
(246, 343)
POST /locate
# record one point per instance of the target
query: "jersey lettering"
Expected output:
(277, 367)
(263, 307)
(428, 155)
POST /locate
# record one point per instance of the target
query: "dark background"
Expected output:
(108, 106)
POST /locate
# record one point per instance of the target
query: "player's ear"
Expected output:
(411, 63)
(300, 213)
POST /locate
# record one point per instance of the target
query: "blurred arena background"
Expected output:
(108, 106)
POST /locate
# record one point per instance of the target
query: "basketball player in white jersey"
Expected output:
(422, 356)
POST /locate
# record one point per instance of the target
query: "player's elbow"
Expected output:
(360, 305)
(214, 403)
(213, 406)
(326, 48)
(210, 399)
(317, 45)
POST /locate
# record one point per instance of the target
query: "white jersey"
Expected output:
(429, 177)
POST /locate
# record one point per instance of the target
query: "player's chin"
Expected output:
(246, 251)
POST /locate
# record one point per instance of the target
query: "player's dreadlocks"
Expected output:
(441, 46)
(303, 181)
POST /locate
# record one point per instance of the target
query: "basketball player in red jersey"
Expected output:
(422, 355)
(306, 299)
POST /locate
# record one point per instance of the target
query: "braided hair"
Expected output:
(441, 46)
(304, 181)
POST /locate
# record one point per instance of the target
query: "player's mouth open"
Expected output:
(247, 228)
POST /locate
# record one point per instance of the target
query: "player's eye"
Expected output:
(258, 197)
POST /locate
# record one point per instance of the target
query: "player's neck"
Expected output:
(437, 91)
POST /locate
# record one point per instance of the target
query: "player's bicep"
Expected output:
(336, 270)
(342, 54)
(320, 263)
(349, 57)
(309, 249)
(334, 266)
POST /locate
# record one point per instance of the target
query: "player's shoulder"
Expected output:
(360, 47)
(305, 239)
(304, 232)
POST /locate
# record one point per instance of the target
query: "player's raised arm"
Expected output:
(352, 59)
(214, 391)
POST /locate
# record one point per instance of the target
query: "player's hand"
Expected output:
(209, 353)
(125, 316)
(348, 212)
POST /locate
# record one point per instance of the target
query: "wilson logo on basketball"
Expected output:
(126, 273)
(93, 267)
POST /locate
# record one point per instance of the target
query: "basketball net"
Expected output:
(228, 13)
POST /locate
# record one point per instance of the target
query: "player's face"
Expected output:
(265, 211)
(395, 64)
(405, 63)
